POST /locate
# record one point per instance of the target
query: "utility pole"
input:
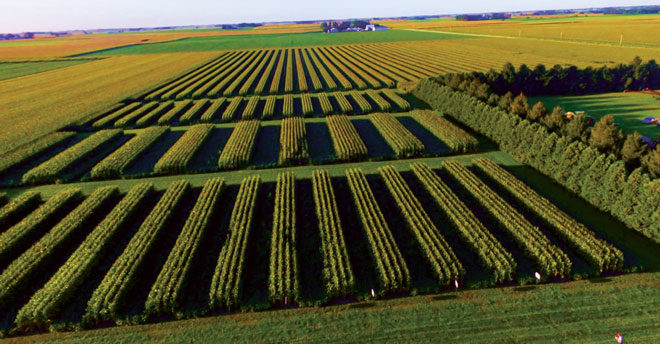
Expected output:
(621, 40)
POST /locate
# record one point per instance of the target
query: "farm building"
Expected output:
(374, 27)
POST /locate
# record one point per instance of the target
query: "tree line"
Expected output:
(508, 90)
(589, 164)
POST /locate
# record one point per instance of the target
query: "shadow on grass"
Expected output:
(134, 300)
(422, 274)
(377, 147)
(206, 157)
(525, 288)
(444, 297)
(639, 251)
(195, 300)
(144, 164)
(15, 174)
(267, 147)
(433, 145)
(45, 271)
(73, 311)
(357, 244)
(321, 149)
(254, 288)
(310, 257)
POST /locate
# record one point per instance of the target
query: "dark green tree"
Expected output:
(520, 106)
(593, 180)
(606, 137)
(505, 101)
(575, 180)
(537, 112)
(633, 150)
(652, 163)
(556, 120)
(569, 161)
(613, 183)
(577, 128)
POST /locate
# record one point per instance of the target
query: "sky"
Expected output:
(57, 15)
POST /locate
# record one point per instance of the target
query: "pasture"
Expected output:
(629, 109)
(574, 312)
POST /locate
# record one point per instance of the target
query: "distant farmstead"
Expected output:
(373, 27)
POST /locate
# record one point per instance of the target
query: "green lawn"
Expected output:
(10, 70)
(628, 108)
(273, 41)
(587, 311)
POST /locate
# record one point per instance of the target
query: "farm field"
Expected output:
(284, 40)
(629, 109)
(636, 30)
(10, 70)
(200, 148)
(277, 182)
(34, 106)
(249, 290)
(575, 312)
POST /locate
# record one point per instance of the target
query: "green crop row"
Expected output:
(105, 300)
(37, 256)
(14, 239)
(228, 275)
(240, 145)
(599, 253)
(392, 270)
(457, 139)
(50, 171)
(347, 142)
(283, 268)
(293, 142)
(442, 258)
(402, 141)
(17, 206)
(337, 273)
(474, 234)
(50, 300)
(167, 292)
(115, 164)
(176, 158)
(24, 153)
(550, 259)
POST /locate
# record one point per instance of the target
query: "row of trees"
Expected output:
(605, 136)
(559, 80)
(601, 179)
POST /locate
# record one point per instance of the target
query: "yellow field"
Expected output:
(51, 47)
(639, 30)
(38, 104)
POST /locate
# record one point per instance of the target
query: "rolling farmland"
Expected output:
(207, 173)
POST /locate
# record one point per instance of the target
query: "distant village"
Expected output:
(350, 26)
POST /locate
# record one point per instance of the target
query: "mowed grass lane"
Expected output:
(38, 104)
(587, 311)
